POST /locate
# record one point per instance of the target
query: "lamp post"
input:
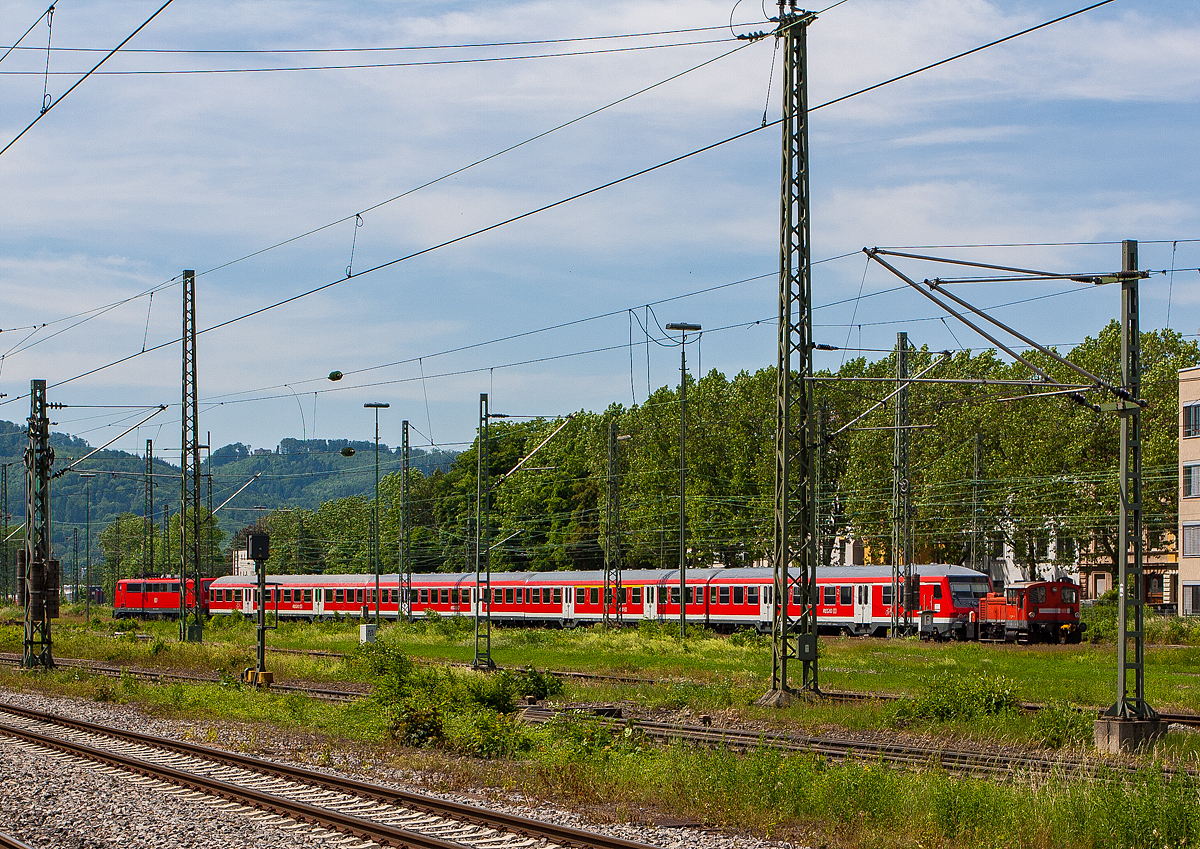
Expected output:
(87, 546)
(683, 329)
(376, 406)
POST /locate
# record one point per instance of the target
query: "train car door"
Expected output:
(568, 608)
(862, 604)
(247, 606)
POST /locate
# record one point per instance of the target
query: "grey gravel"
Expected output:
(56, 801)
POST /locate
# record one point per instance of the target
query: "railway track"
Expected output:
(353, 692)
(950, 759)
(7, 841)
(371, 812)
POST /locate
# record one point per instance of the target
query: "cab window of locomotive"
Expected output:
(847, 594)
(1069, 596)
(1038, 595)
(1012, 597)
(174, 588)
(964, 592)
(133, 588)
(937, 590)
(830, 594)
(636, 594)
(723, 595)
(558, 595)
(751, 595)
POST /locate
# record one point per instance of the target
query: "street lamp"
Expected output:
(683, 329)
(87, 543)
(376, 406)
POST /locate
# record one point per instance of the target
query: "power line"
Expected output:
(48, 106)
(368, 65)
(566, 200)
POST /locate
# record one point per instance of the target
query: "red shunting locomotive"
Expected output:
(1032, 612)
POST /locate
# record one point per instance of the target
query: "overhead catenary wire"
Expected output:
(595, 189)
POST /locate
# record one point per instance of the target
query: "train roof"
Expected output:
(735, 575)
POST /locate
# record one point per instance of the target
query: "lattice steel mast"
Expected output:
(794, 631)
(612, 549)
(483, 561)
(1131, 690)
(191, 621)
(148, 528)
(39, 578)
(901, 504)
(405, 529)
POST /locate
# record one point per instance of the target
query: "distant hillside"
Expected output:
(298, 473)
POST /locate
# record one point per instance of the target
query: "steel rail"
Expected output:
(7, 841)
(299, 811)
(501, 821)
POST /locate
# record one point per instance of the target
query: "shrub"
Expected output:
(1061, 723)
(539, 685)
(493, 692)
(487, 734)
(949, 697)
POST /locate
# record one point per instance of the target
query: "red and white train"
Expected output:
(852, 599)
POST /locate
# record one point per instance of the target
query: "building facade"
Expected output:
(1189, 491)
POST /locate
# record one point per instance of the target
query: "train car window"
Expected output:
(797, 595)
(359, 596)
(887, 593)
(229, 595)
(594, 595)
(328, 595)
(237, 596)
(636, 594)
(830, 594)
(1037, 595)
(528, 595)
(1069, 595)
(739, 595)
(497, 596)
(395, 596)
(287, 595)
(722, 595)
(212, 596)
(674, 595)
(623, 596)
(846, 592)
(1013, 597)
(133, 588)
(508, 596)
(580, 595)
(558, 595)
(424, 596)
(174, 588)
(339, 596)
(308, 595)
(751, 595)
(445, 596)
(691, 595)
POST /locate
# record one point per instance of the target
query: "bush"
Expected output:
(959, 697)
(750, 637)
(415, 724)
(1061, 723)
(493, 692)
(539, 685)
(484, 733)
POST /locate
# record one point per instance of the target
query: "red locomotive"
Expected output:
(1032, 612)
(155, 598)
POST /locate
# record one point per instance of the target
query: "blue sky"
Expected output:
(1083, 132)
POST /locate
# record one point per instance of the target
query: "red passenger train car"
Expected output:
(155, 598)
(850, 599)
(1032, 612)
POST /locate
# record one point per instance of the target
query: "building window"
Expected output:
(1191, 540)
(1191, 420)
(1191, 599)
(1191, 481)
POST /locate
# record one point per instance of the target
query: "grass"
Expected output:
(460, 725)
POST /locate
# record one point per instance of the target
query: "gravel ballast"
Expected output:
(52, 800)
